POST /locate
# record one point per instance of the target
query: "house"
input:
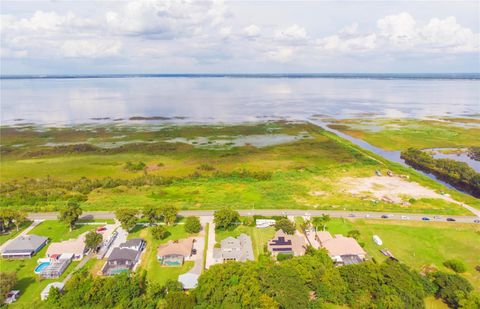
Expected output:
(134, 244)
(11, 297)
(188, 280)
(57, 266)
(264, 223)
(234, 249)
(24, 247)
(74, 246)
(175, 252)
(343, 250)
(46, 291)
(124, 257)
(286, 244)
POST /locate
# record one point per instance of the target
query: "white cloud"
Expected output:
(90, 48)
(280, 55)
(251, 31)
(336, 43)
(292, 33)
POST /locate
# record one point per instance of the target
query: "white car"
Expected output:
(367, 216)
(405, 218)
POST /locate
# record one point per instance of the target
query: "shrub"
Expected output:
(192, 225)
(286, 225)
(455, 265)
(284, 257)
(160, 232)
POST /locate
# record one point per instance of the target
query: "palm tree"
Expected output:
(321, 221)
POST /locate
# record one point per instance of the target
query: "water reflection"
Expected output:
(65, 101)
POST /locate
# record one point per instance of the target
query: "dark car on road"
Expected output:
(451, 219)
(384, 217)
(476, 221)
(426, 219)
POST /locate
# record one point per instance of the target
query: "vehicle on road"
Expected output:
(425, 219)
(384, 216)
(451, 220)
(405, 218)
(101, 229)
(476, 221)
(437, 217)
(367, 216)
(351, 216)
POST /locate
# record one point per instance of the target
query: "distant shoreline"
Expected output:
(387, 76)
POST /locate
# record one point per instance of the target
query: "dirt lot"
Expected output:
(390, 189)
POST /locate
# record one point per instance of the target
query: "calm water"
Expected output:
(229, 99)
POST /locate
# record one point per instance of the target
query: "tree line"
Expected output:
(310, 281)
(458, 174)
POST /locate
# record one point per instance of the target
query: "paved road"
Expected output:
(278, 212)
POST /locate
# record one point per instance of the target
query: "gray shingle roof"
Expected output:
(25, 244)
(134, 242)
(123, 254)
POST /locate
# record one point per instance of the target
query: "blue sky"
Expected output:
(85, 37)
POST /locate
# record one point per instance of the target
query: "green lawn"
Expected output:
(59, 231)
(419, 243)
(156, 272)
(29, 283)
(259, 237)
(12, 233)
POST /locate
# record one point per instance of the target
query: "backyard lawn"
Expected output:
(259, 237)
(28, 282)
(419, 243)
(156, 272)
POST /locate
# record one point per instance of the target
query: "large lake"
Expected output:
(230, 99)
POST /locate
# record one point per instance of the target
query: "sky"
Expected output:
(151, 36)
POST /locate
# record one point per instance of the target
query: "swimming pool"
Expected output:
(41, 266)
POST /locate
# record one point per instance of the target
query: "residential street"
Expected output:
(280, 212)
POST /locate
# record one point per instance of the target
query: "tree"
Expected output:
(180, 300)
(93, 240)
(7, 282)
(70, 214)
(354, 233)
(159, 232)
(285, 225)
(169, 214)
(321, 222)
(452, 288)
(127, 217)
(152, 214)
(455, 265)
(19, 217)
(225, 218)
(192, 225)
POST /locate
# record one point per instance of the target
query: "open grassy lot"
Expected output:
(400, 134)
(58, 231)
(149, 262)
(12, 233)
(28, 282)
(272, 171)
(419, 244)
(259, 237)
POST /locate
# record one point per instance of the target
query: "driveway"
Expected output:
(121, 237)
(199, 245)
(211, 241)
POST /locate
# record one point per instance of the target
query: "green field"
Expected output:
(259, 237)
(419, 244)
(156, 272)
(28, 282)
(284, 165)
(401, 134)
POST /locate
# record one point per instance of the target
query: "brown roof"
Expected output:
(284, 243)
(75, 246)
(180, 247)
(340, 245)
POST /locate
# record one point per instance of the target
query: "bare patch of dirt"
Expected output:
(388, 189)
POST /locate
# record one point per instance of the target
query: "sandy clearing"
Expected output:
(392, 189)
